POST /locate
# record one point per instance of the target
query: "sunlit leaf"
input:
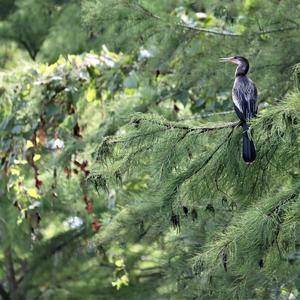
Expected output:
(36, 157)
(15, 170)
(120, 263)
(33, 193)
(29, 144)
(61, 60)
(129, 91)
(91, 92)
(78, 60)
(43, 68)
(19, 220)
(124, 279)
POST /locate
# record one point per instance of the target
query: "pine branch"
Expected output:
(221, 113)
(275, 30)
(247, 225)
(194, 169)
(169, 125)
(182, 25)
(226, 33)
(207, 160)
(108, 141)
(212, 31)
(209, 31)
(200, 129)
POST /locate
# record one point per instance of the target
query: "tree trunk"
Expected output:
(11, 276)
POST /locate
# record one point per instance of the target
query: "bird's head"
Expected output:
(240, 61)
(237, 60)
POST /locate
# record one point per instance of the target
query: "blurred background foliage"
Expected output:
(44, 29)
(87, 88)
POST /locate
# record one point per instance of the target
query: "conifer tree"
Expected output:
(121, 172)
(236, 224)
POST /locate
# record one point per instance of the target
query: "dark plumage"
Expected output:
(244, 96)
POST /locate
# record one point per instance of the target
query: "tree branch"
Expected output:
(212, 31)
(11, 275)
(194, 169)
(200, 129)
(206, 30)
(217, 148)
(275, 30)
(168, 125)
(221, 113)
(185, 26)
(154, 274)
(3, 293)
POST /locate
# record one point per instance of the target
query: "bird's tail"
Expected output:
(249, 152)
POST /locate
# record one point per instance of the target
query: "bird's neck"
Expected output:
(242, 70)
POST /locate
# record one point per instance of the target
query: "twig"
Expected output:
(217, 148)
(275, 30)
(196, 169)
(199, 129)
(182, 25)
(205, 30)
(154, 274)
(221, 113)
(212, 31)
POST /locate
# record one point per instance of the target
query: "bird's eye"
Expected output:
(235, 57)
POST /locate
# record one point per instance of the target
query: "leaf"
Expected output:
(33, 193)
(52, 109)
(130, 82)
(117, 284)
(130, 91)
(120, 263)
(43, 68)
(19, 220)
(29, 144)
(36, 157)
(91, 92)
(61, 60)
(183, 97)
(78, 60)
(124, 279)
(17, 129)
(15, 171)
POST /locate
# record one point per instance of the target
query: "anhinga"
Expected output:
(244, 96)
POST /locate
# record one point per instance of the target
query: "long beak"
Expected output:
(228, 59)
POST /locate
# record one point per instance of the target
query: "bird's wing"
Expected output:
(244, 96)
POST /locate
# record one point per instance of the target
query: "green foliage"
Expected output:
(121, 170)
(44, 29)
(227, 193)
(46, 145)
(266, 32)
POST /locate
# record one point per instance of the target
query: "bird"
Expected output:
(244, 97)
